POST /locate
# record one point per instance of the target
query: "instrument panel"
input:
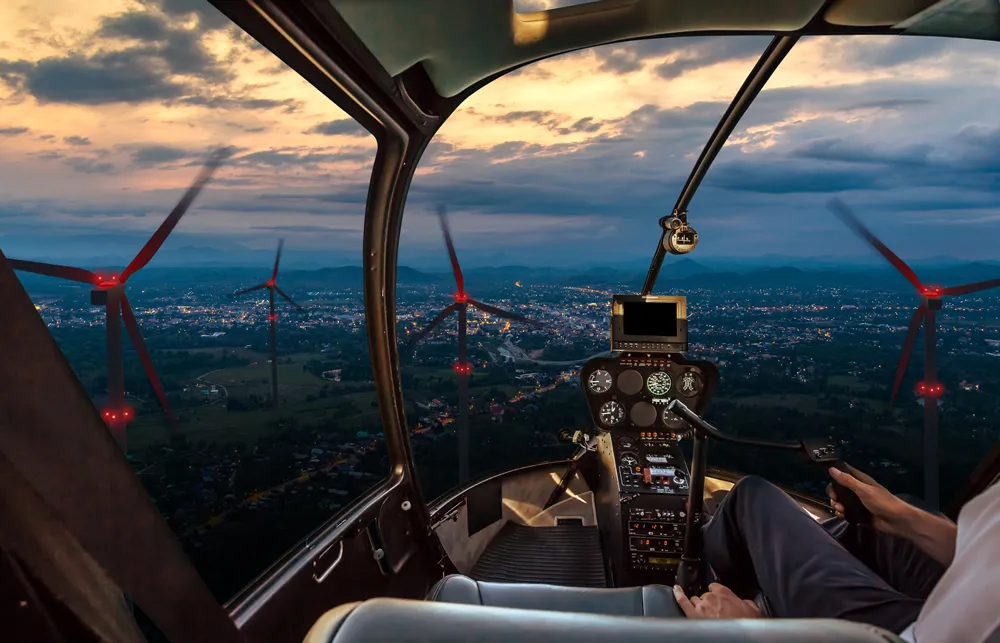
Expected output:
(631, 391)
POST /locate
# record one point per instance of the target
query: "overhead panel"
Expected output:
(865, 13)
(461, 42)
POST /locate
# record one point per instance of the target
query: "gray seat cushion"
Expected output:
(387, 619)
(650, 600)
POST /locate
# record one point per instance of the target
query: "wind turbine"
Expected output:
(462, 366)
(109, 291)
(930, 389)
(272, 287)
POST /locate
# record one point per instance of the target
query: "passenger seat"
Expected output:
(387, 619)
(649, 600)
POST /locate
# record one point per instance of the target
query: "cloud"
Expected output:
(88, 165)
(105, 78)
(319, 229)
(157, 154)
(292, 156)
(12, 131)
(342, 127)
(839, 149)
(690, 56)
(137, 25)
(76, 140)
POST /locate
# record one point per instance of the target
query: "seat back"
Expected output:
(388, 619)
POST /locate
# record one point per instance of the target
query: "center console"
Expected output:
(627, 394)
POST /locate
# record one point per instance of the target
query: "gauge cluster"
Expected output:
(631, 391)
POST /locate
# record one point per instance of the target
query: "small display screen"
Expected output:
(651, 319)
(656, 560)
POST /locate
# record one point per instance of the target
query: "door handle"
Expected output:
(318, 576)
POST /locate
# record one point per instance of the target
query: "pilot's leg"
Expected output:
(761, 538)
(899, 562)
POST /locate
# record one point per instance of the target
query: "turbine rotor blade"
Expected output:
(455, 268)
(493, 310)
(963, 290)
(908, 343)
(161, 234)
(246, 290)
(845, 214)
(147, 363)
(287, 298)
(277, 259)
(55, 270)
(431, 326)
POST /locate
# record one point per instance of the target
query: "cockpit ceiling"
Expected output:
(461, 42)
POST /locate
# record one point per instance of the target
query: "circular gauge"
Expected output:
(643, 414)
(690, 384)
(625, 443)
(658, 383)
(611, 413)
(630, 382)
(599, 381)
(672, 420)
(629, 460)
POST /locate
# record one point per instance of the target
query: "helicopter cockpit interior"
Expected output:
(584, 545)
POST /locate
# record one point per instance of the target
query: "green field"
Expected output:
(343, 406)
(850, 382)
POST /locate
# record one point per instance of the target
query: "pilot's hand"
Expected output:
(718, 602)
(887, 510)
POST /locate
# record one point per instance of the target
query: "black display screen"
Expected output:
(650, 319)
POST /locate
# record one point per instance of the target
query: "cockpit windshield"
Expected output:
(187, 215)
(552, 179)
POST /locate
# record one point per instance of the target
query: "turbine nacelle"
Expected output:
(461, 298)
(104, 282)
(929, 389)
(124, 414)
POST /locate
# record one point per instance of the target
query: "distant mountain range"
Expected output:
(677, 274)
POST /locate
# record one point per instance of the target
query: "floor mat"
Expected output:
(568, 555)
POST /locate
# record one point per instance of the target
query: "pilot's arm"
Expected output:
(718, 602)
(934, 534)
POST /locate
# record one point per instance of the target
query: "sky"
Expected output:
(108, 107)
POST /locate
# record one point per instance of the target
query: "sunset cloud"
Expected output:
(109, 107)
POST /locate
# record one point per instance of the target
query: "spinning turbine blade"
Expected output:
(277, 259)
(147, 363)
(246, 290)
(287, 298)
(964, 290)
(429, 327)
(55, 270)
(161, 234)
(908, 343)
(493, 310)
(459, 279)
(844, 213)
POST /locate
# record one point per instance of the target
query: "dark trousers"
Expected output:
(761, 541)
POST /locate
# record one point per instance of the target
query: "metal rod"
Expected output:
(273, 321)
(689, 574)
(755, 81)
(931, 469)
(463, 398)
(116, 375)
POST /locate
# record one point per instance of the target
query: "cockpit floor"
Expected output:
(568, 555)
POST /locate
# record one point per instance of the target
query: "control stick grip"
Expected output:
(855, 511)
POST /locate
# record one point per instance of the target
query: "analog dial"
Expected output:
(672, 420)
(690, 384)
(658, 383)
(629, 460)
(599, 381)
(611, 413)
